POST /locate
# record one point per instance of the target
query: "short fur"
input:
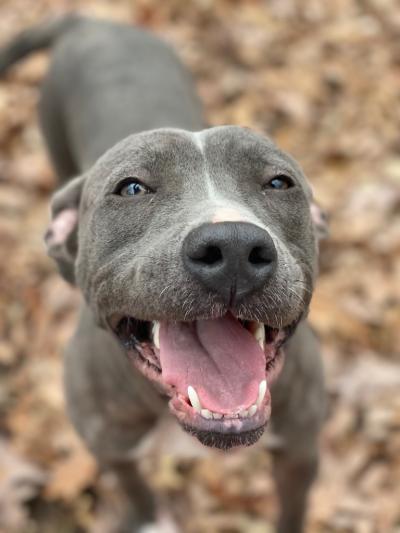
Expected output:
(111, 84)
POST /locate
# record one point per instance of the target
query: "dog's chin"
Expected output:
(227, 432)
(222, 398)
(225, 441)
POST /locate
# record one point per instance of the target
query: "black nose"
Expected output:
(232, 259)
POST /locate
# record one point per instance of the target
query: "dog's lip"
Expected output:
(112, 320)
(231, 428)
(134, 347)
(224, 433)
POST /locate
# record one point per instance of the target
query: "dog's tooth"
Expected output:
(156, 334)
(252, 409)
(244, 413)
(206, 413)
(259, 334)
(217, 416)
(262, 389)
(194, 399)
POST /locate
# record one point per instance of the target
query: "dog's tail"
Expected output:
(36, 38)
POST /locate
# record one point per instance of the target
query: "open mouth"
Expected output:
(216, 372)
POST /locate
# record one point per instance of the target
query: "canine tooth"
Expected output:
(194, 399)
(244, 413)
(156, 334)
(206, 413)
(259, 334)
(217, 416)
(252, 409)
(262, 389)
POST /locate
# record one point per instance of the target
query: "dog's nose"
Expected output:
(232, 259)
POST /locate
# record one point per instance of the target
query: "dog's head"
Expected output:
(198, 251)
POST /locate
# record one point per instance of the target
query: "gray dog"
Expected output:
(196, 253)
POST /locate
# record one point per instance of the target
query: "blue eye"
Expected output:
(132, 187)
(279, 183)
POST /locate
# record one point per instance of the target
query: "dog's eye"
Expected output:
(279, 183)
(132, 187)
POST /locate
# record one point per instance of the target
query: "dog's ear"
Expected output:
(321, 221)
(61, 237)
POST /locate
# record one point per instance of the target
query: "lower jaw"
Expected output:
(229, 431)
(225, 441)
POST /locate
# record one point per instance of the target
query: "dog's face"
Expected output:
(198, 251)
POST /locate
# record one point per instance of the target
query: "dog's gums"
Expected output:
(240, 359)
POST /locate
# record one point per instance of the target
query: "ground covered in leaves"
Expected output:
(323, 79)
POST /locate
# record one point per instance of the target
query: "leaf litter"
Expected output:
(323, 80)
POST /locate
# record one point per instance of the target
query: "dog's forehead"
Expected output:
(228, 139)
(243, 149)
(233, 151)
(218, 142)
(150, 149)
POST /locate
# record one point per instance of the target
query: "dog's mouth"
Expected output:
(216, 372)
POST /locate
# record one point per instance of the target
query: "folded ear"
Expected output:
(61, 237)
(320, 219)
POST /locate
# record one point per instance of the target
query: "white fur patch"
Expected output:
(211, 191)
(216, 207)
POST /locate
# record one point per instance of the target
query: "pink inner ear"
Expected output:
(317, 215)
(62, 226)
(320, 221)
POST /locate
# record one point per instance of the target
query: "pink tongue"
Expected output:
(219, 358)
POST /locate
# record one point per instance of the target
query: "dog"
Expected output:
(196, 252)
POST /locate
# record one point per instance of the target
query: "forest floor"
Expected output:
(323, 79)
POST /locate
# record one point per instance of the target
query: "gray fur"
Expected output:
(129, 251)
(114, 84)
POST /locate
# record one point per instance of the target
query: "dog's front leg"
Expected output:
(294, 477)
(298, 407)
(113, 408)
(140, 509)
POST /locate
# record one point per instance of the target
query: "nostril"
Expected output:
(259, 256)
(209, 256)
